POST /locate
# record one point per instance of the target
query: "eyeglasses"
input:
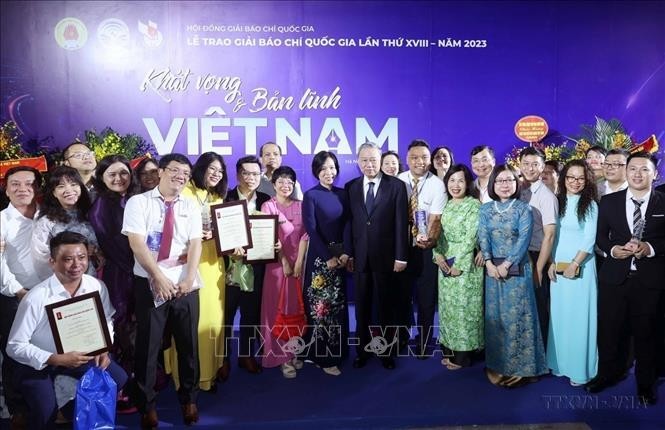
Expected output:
(215, 171)
(579, 180)
(504, 181)
(175, 172)
(441, 157)
(613, 165)
(284, 182)
(82, 155)
(246, 174)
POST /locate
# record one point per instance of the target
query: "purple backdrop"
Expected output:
(391, 72)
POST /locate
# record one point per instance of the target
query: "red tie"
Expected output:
(167, 233)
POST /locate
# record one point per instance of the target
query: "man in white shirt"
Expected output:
(31, 341)
(426, 193)
(545, 210)
(482, 164)
(17, 274)
(271, 159)
(614, 168)
(163, 226)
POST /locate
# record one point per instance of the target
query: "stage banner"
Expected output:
(192, 77)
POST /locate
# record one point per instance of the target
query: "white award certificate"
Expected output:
(264, 237)
(230, 226)
(79, 324)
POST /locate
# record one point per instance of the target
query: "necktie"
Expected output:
(369, 199)
(167, 233)
(413, 207)
(638, 225)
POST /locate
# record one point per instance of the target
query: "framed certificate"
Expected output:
(264, 236)
(79, 324)
(230, 226)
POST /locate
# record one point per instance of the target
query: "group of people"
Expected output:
(528, 268)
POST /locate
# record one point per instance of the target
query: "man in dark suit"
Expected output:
(378, 248)
(237, 296)
(631, 278)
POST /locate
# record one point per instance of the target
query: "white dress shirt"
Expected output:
(484, 194)
(376, 180)
(17, 270)
(144, 215)
(432, 195)
(604, 188)
(30, 339)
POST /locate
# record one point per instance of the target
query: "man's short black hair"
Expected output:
(480, 148)
(530, 150)
(66, 238)
(643, 154)
(416, 143)
(178, 158)
(248, 159)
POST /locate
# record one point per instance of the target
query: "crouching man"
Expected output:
(31, 342)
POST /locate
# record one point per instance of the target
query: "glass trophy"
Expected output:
(420, 221)
(638, 230)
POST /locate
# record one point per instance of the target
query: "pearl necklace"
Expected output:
(496, 207)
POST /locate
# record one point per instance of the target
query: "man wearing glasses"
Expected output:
(166, 228)
(79, 156)
(244, 281)
(614, 168)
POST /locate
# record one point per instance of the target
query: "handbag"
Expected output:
(96, 394)
(289, 325)
(513, 270)
(561, 267)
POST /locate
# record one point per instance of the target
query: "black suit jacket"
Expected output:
(261, 198)
(613, 230)
(381, 237)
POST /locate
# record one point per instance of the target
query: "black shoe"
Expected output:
(360, 361)
(388, 363)
(600, 383)
(647, 396)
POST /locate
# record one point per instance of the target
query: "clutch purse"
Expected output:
(561, 267)
(513, 270)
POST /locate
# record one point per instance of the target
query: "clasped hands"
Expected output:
(167, 289)
(499, 272)
(637, 249)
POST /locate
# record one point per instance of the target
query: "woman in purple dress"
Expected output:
(325, 214)
(113, 182)
(286, 272)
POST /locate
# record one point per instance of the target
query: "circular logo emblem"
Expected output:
(113, 33)
(71, 34)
